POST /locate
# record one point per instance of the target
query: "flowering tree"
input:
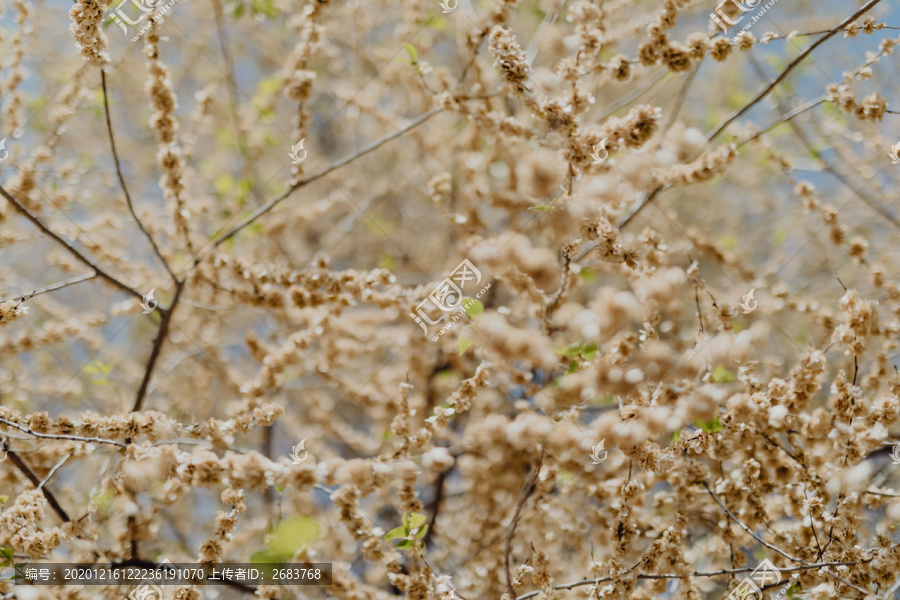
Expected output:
(468, 299)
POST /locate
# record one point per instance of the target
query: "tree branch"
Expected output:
(748, 530)
(72, 250)
(33, 478)
(157, 346)
(322, 173)
(768, 89)
(575, 584)
(52, 288)
(527, 491)
(60, 436)
(112, 143)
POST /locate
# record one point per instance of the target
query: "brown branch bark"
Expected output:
(762, 94)
(322, 173)
(69, 247)
(33, 478)
(157, 346)
(527, 491)
(52, 288)
(784, 73)
(112, 143)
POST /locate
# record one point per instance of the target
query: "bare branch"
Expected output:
(322, 173)
(52, 288)
(768, 89)
(112, 143)
(527, 491)
(72, 250)
(33, 478)
(60, 436)
(748, 530)
(157, 346)
(575, 584)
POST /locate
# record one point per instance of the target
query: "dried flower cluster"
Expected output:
(673, 354)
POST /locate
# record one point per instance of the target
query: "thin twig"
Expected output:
(322, 173)
(765, 92)
(112, 143)
(33, 478)
(679, 102)
(54, 469)
(553, 302)
(784, 73)
(785, 118)
(157, 346)
(527, 490)
(52, 288)
(60, 436)
(748, 530)
(71, 249)
(801, 135)
(229, 73)
(435, 504)
(574, 584)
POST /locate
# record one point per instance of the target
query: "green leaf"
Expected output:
(224, 184)
(7, 553)
(294, 534)
(573, 366)
(676, 436)
(474, 308)
(571, 351)
(589, 351)
(4, 500)
(396, 532)
(413, 520)
(711, 426)
(386, 261)
(422, 531)
(722, 375)
(405, 545)
(413, 52)
(793, 590)
(465, 342)
(437, 23)
(265, 557)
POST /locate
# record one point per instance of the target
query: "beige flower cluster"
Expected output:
(673, 351)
